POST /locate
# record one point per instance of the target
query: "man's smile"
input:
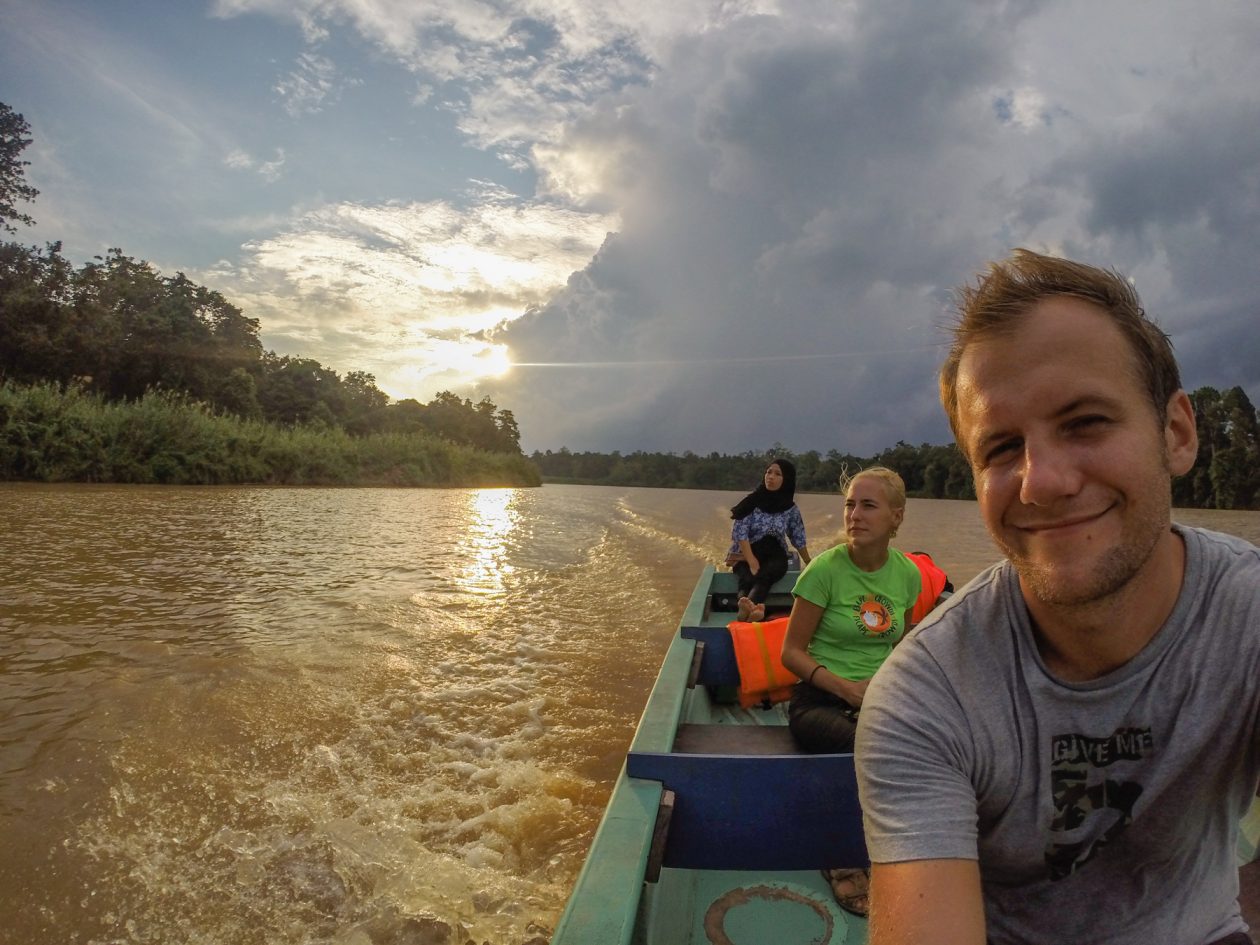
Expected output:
(1063, 525)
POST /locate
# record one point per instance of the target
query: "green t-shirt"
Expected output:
(863, 612)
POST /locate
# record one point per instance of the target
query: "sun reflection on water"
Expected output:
(492, 520)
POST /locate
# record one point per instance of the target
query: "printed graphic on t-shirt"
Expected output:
(873, 615)
(1090, 809)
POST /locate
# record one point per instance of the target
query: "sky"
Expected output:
(689, 225)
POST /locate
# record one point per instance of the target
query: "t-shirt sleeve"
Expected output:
(741, 530)
(913, 753)
(813, 584)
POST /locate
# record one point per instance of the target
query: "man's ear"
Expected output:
(1181, 436)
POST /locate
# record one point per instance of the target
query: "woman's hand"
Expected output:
(802, 626)
(850, 691)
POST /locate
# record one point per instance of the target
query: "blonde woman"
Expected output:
(852, 604)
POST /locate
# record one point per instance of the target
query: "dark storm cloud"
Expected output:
(1184, 191)
(809, 192)
(790, 194)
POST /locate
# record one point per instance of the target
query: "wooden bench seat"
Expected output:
(735, 740)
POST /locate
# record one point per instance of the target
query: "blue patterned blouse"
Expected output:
(758, 524)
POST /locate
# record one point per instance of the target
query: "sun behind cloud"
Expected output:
(408, 292)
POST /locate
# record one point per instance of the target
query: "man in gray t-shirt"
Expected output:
(1063, 752)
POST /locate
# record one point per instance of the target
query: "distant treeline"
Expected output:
(937, 472)
(114, 344)
(1226, 474)
(53, 434)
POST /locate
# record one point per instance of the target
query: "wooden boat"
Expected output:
(718, 826)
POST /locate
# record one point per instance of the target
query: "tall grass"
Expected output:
(51, 434)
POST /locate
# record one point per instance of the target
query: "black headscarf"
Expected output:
(762, 498)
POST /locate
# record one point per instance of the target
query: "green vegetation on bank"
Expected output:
(1226, 474)
(114, 372)
(54, 434)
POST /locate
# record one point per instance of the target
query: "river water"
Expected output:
(360, 716)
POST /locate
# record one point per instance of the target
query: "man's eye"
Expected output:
(1086, 422)
(1002, 451)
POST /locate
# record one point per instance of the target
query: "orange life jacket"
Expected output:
(758, 653)
(934, 582)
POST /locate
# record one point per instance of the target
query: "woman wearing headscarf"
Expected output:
(765, 521)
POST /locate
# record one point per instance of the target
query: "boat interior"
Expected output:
(748, 821)
(729, 823)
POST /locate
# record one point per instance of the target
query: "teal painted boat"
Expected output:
(718, 825)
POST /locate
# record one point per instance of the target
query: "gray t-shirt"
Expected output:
(1103, 811)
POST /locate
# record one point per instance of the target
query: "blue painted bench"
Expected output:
(756, 811)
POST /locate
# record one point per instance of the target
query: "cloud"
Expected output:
(817, 186)
(514, 72)
(306, 89)
(776, 207)
(1025, 107)
(269, 171)
(410, 292)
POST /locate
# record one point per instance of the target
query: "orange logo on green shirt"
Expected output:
(873, 615)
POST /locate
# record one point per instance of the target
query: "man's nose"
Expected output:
(1049, 473)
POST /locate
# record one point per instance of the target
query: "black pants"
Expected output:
(821, 722)
(773, 564)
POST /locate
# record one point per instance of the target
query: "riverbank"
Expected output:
(50, 434)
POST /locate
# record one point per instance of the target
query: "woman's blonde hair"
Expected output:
(894, 485)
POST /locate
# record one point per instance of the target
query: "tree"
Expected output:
(363, 403)
(124, 300)
(1226, 473)
(297, 390)
(238, 394)
(14, 137)
(38, 341)
(509, 432)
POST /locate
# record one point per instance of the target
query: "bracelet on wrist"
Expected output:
(810, 680)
